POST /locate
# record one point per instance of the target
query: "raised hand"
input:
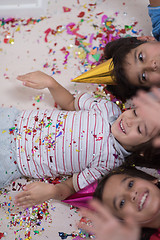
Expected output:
(37, 80)
(40, 80)
(148, 107)
(105, 226)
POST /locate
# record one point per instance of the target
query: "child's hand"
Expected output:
(148, 107)
(37, 80)
(33, 194)
(146, 38)
(105, 226)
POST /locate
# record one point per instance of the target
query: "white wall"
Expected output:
(22, 8)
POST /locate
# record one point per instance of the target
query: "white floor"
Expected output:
(26, 50)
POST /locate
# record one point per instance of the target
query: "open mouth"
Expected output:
(143, 201)
(122, 127)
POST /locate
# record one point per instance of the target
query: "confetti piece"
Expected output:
(81, 14)
(66, 9)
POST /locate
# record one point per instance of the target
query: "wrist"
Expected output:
(50, 190)
(51, 82)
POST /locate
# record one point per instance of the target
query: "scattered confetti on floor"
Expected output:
(66, 42)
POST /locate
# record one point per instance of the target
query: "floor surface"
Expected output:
(49, 44)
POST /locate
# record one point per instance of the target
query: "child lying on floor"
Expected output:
(85, 140)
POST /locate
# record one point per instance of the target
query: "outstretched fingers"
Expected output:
(25, 198)
(27, 80)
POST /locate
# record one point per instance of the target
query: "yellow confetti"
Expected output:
(18, 29)
(11, 41)
(3, 131)
(37, 140)
(18, 137)
(65, 116)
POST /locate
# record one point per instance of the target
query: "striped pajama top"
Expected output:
(57, 142)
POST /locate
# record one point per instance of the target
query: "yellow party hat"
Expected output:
(100, 74)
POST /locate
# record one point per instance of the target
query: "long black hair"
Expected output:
(117, 50)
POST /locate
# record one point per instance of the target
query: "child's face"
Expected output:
(130, 130)
(133, 196)
(142, 65)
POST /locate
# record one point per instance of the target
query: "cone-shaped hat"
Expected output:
(100, 74)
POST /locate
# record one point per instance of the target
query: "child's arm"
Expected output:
(154, 3)
(40, 80)
(38, 192)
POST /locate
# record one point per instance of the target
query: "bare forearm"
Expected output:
(61, 96)
(63, 190)
(38, 192)
(154, 3)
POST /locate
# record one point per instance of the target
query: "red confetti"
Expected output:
(123, 31)
(47, 32)
(66, 9)
(81, 14)
(77, 43)
(5, 40)
(99, 13)
(1, 235)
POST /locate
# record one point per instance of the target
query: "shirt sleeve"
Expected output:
(154, 13)
(87, 176)
(106, 108)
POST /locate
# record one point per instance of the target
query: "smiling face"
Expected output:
(130, 130)
(142, 65)
(133, 196)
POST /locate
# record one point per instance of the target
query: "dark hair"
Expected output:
(145, 156)
(146, 233)
(118, 50)
(123, 169)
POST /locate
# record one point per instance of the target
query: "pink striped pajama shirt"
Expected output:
(57, 142)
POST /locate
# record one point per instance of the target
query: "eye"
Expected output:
(130, 184)
(139, 130)
(143, 77)
(134, 111)
(122, 202)
(140, 57)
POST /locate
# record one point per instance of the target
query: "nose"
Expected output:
(129, 122)
(133, 196)
(152, 65)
